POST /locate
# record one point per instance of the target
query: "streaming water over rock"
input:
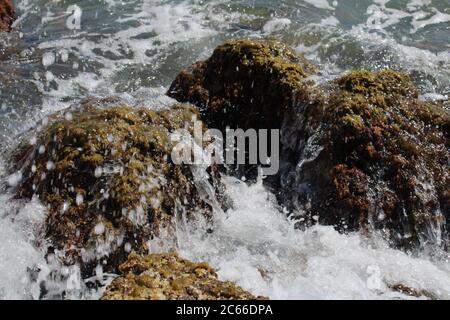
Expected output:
(60, 53)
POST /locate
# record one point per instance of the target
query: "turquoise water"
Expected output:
(135, 48)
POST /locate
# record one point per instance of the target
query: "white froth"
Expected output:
(276, 24)
(321, 4)
(256, 246)
(19, 229)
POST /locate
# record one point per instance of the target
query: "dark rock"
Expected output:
(166, 276)
(371, 155)
(106, 175)
(411, 291)
(245, 84)
(359, 152)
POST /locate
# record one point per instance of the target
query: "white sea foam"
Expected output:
(321, 4)
(276, 24)
(20, 227)
(256, 246)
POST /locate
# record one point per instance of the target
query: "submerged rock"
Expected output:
(7, 15)
(360, 151)
(168, 277)
(106, 175)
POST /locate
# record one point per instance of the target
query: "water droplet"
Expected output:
(14, 179)
(99, 229)
(64, 55)
(48, 58)
(98, 172)
(79, 199)
(50, 165)
(33, 141)
(65, 206)
(49, 76)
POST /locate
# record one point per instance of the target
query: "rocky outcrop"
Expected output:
(245, 84)
(104, 171)
(168, 277)
(7, 15)
(358, 152)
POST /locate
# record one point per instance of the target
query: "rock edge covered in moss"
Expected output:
(166, 276)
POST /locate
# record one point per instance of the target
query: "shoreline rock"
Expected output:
(166, 276)
(358, 152)
(104, 171)
(376, 158)
(245, 84)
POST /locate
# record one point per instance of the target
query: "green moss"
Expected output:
(246, 84)
(117, 161)
(353, 121)
(385, 101)
(265, 54)
(381, 83)
(408, 147)
(167, 276)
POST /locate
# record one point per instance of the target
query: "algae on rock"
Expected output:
(166, 276)
(358, 152)
(383, 161)
(245, 84)
(106, 175)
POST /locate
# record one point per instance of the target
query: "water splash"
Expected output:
(255, 245)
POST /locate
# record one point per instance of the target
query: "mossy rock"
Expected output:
(358, 152)
(245, 84)
(7, 15)
(166, 276)
(384, 159)
(104, 171)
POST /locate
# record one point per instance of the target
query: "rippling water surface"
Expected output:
(135, 48)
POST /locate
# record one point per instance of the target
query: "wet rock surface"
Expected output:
(358, 152)
(245, 84)
(370, 154)
(7, 15)
(105, 173)
(166, 276)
